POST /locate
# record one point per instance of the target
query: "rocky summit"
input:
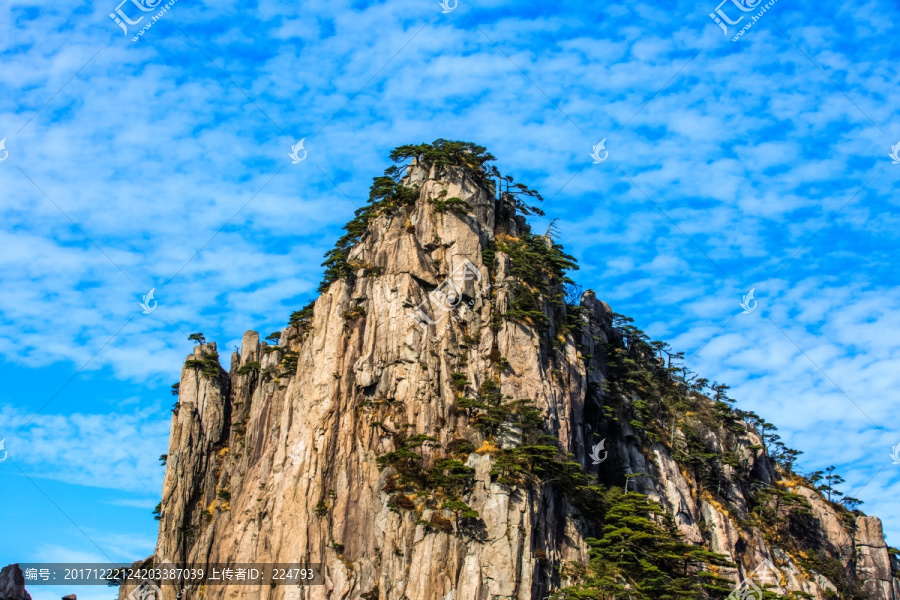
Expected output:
(453, 419)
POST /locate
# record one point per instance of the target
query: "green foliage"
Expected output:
(531, 463)
(490, 415)
(773, 509)
(385, 195)
(274, 337)
(457, 205)
(538, 268)
(175, 388)
(638, 552)
(250, 367)
(471, 340)
(489, 254)
(289, 362)
(354, 313)
(536, 260)
(447, 478)
(197, 337)
(487, 412)
(695, 454)
(224, 495)
(459, 381)
(208, 365)
(460, 448)
(321, 508)
(443, 152)
(157, 512)
(663, 401)
(407, 463)
(829, 480)
(512, 195)
(641, 555)
(163, 459)
(302, 319)
(450, 475)
(833, 570)
(530, 455)
(461, 508)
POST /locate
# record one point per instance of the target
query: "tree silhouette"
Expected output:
(831, 480)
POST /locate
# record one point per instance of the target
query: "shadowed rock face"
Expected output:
(12, 583)
(276, 460)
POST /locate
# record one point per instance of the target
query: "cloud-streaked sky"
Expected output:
(163, 163)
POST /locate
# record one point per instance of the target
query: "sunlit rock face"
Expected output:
(276, 461)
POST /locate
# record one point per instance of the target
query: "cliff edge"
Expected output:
(450, 420)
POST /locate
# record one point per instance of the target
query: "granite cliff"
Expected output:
(450, 420)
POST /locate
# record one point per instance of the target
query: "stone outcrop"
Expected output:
(12, 583)
(873, 561)
(276, 461)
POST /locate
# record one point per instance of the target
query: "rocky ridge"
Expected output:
(326, 446)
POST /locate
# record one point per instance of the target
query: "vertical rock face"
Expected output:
(277, 460)
(873, 560)
(12, 583)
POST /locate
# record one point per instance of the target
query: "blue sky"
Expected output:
(163, 163)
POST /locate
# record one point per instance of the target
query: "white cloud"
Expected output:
(749, 150)
(115, 451)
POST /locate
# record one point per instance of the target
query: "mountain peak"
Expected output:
(433, 189)
(453, 418)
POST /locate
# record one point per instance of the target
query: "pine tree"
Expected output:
(641, 555)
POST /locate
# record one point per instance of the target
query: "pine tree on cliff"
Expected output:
(451, 454)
